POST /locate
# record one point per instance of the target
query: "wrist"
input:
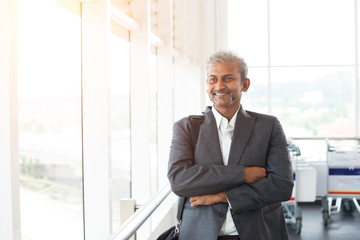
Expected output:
(222, 197)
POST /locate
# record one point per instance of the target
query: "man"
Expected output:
(239, 173)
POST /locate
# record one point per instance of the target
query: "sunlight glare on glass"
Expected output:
(248, 30)
(310, 32)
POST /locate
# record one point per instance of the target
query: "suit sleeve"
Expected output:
(188, 179)
(278, 184)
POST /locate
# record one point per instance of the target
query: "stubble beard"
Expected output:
(220, 100)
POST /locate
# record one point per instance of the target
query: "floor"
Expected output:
(341, 226)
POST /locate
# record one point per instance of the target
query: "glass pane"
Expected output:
(310, 32)
(153, 123)
(256, 98)
(49, 93)
(311, 150)
(248, 32)
(119, 75)
(315, 101)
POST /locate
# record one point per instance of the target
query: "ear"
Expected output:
(246, 84)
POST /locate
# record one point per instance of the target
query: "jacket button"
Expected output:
(221, 214)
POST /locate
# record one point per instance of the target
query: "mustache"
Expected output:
(221, 91)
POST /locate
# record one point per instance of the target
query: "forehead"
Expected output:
(220, 68)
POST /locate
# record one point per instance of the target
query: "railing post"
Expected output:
(127, 209)
(130, 226)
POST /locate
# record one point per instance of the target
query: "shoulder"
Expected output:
(261, 116)
(270, 122)
(182, 123)
(185, 122)
(265, 121)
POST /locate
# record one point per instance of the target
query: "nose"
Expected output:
(220, 84)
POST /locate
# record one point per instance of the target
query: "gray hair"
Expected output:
(228, 57)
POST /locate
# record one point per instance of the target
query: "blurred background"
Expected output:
(89, 91)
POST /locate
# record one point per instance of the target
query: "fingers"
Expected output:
(261, 172)
(194, 201)
(201, 200)
(219, 197)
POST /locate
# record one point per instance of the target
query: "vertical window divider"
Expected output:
(96, 139)
(9, 150)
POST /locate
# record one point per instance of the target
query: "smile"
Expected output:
(221, 93)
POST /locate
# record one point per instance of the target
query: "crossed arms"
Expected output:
(246, 188)
(251, 175)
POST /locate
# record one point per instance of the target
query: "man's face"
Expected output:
(224, 86)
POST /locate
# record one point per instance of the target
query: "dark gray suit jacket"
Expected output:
(258, 140)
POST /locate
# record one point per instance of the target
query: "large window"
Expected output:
(95, 108)
(49, 92)
(314, 101)
(302, 63)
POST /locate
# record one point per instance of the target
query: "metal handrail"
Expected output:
(130, 226)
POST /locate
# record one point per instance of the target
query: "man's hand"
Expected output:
(208, 199)
(254, 174)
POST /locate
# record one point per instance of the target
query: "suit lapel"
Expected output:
(243, 128)
(210, 138)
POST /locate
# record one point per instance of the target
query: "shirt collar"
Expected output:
(218, 118)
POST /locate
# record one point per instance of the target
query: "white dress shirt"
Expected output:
(226, 131)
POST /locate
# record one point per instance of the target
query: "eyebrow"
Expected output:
(229, 75)
(226, 75)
